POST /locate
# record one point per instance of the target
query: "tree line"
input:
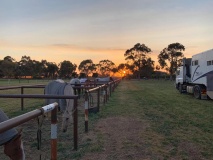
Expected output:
(138, 63)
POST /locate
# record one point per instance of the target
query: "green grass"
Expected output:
(178, 125)
(19, 82)
(12, 106)
(177, 121)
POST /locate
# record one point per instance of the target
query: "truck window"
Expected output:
(196, 62)
(209, 63)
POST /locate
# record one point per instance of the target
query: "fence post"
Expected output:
(98, 98)
(75, 124)
(22, 99)
(54, 134)
(104, 93)
(110, 89)
(86, 112)
(14, 122)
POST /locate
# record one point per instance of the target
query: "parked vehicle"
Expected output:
(195, 76)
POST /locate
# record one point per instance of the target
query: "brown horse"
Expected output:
(11, 140)
(14, 148)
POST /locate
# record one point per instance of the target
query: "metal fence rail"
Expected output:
(107, 89)
(14, 122)
(22, 90)
(75, 113)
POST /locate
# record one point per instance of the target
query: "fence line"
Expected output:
(75, 114)
(14, 122)
(107, 89)
(22, 90)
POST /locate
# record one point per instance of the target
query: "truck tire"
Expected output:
(180, 87)
(197, 92)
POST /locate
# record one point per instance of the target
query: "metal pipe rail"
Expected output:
(22, 90)
(14, 122)
(24, 86)
(46, 96)
(105, 93)
(75, 114)
(94, 89)
(86, 103)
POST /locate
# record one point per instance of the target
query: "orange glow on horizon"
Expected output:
(75, 54)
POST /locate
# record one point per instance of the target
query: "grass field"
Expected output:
(145, 119)
(13, 106)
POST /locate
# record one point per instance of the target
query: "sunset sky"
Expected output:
(75, 30)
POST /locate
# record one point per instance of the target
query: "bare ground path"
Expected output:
(119, 133)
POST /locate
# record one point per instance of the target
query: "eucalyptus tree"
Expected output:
(137, 57)
(7, 67)
(9, 58)
(125, 68)
(121, 69)
(51, 70)
(44, 70)
(105, 67)
(148, 67)
(37, 69)
(26, 66)
(170, 57)
(66, 69)
(87, 66)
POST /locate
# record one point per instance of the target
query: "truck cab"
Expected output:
(183, 74)
(195, 75)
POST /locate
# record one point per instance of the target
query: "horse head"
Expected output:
(14, 148)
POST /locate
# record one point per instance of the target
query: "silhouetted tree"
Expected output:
(38, 69)
(66, 69)
(52, 70)
(121, 68)
(7, 67)
(87, 67)
(137, 57)
(9, 58)
(104, 67)
(170, 57)
(26, 66)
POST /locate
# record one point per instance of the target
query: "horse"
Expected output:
(76, 82)
(104, 79)
(59, 87)
(11, 139)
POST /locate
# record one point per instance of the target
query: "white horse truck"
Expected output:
(195, 76)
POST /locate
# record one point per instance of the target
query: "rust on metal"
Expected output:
(75, 119)
(54, 134)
